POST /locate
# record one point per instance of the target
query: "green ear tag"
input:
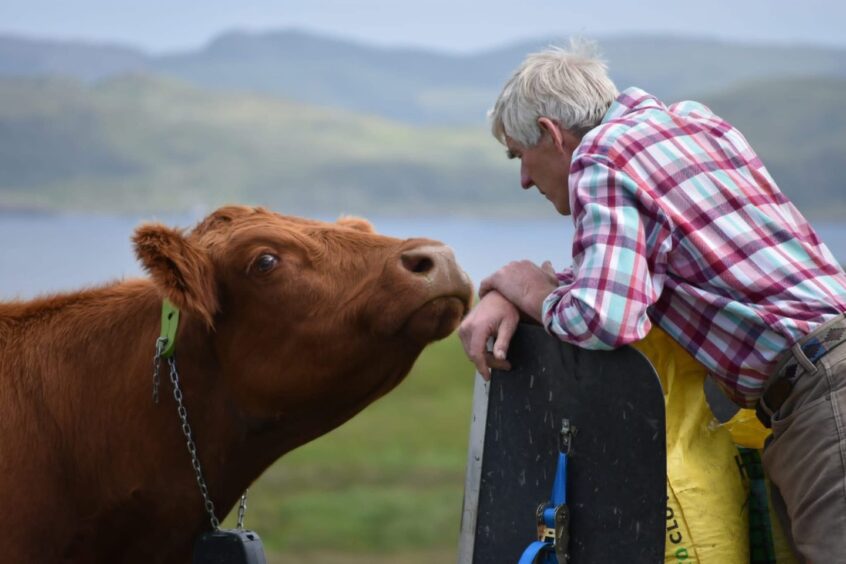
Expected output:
(170, 322)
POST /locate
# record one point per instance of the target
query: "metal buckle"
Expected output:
(545, 534)
(559, 535)
(562, 533)
(566, 436)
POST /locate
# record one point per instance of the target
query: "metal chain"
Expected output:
(189, 442)
(189, 437)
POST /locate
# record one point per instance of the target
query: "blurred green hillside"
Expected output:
(799, 130)
(140, 143)
(144, 143)
(415, 85)
(313, 124)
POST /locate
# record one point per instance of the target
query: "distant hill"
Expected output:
(675, 67)
(799, 129)
(415, 85)
(21, 56)
(146, 143)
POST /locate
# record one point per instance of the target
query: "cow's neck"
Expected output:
(93, 352)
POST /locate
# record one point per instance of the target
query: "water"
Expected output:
(50, 253)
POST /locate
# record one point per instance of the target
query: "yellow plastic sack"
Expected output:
(746, 430)
(707, 518)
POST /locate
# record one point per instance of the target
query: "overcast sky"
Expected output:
(447, 25)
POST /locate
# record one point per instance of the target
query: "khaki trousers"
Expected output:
(806, 458)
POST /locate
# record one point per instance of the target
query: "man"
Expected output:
(678, 223)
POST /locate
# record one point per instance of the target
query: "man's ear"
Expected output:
(563, 139)
(182, 272)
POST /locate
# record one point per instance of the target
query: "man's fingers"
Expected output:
(482, 366)
(503, 336)
(492, 318)
(480, 362)
(476, 350)
(496, 363)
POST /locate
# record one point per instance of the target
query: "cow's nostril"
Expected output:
(417, 263)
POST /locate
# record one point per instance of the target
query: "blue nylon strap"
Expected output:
(534, 550)
(559, 486)
(557, 498)
(559, 491)
(549, 517)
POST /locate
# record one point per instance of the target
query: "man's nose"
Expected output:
(525, 180)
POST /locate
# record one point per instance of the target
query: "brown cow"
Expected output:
(289, 328)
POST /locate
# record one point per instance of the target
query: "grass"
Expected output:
(385, 487)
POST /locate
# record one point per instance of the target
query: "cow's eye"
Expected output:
(266, 263)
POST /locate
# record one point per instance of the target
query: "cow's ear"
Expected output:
(356, 223)
(182, 271)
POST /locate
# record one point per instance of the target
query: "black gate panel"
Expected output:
(617, 467)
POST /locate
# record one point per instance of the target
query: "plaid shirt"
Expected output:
(678, 223)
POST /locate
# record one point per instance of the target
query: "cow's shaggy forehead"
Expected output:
(223, 221)
(236, 229)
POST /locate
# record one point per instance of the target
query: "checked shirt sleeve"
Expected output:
(620, 251)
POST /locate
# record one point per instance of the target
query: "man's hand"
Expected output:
(493, 316)
(524, 284)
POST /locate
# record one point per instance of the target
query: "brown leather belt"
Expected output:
(814, 346)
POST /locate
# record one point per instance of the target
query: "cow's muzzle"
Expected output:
(435, 266)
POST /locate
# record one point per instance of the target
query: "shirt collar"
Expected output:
(630, 100)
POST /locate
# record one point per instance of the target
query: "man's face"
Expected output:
(546, 166)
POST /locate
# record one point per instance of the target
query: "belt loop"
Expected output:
(764, 413)
(803, 360)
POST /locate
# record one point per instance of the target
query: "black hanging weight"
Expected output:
(228, 546)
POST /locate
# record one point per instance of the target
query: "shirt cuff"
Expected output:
(548, 311)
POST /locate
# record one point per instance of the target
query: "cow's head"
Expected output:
(304, 315)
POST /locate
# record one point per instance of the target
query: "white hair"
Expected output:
(570, 86)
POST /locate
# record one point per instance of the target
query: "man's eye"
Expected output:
(510, 154)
